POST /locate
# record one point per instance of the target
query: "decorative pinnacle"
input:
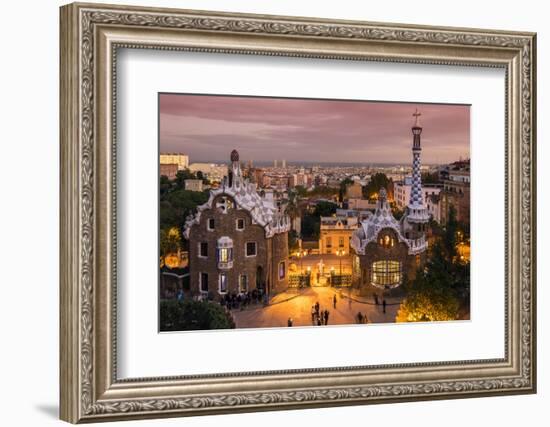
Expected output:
(382, 194)
(234, 156)
(416, 115)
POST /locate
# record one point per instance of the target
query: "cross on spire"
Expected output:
(416, 115)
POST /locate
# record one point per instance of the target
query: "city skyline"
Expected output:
(306, 130)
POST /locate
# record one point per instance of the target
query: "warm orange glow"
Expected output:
(463, 250)
(172, 261)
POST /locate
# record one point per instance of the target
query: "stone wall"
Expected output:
(279, 254)
(226, 225)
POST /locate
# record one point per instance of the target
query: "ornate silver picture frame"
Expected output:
(91, 36)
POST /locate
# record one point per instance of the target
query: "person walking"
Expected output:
(319, 322)
(326, 317)
(290, 322)
(334, 301)
(359, 318)
(384, 306)
(317, 308)
(313, 313)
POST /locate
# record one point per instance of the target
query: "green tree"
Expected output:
(428, 307)
(292, 209)
(181, 176)
(188, 315)
(430, 178)
(168, 216)
(178, 204)
(301, 190)
(170, 241)
(377, 181)
(311, 226)
(324, 208)
(396, 212)
(343, 186)
(311, 222)
(442, 288)
(293, 244)
(431, 295)
(164, 185)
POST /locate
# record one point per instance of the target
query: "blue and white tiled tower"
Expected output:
(417, 213)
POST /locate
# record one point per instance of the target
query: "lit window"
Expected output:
(282, 270)
(243, 283)
(222, 285)
(251, 249)
(224, 255)
(203, 249)
(211, 223)
(203, 282)
(240, 224)
(386, 274)
(224, 252)
(341, 242)
(329, 242)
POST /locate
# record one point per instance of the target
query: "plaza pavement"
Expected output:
(298, 306)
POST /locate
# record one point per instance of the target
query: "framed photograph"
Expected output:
(266, 213)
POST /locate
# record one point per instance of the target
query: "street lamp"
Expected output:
(340, 253)
(301, 254)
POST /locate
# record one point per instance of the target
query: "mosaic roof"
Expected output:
(263, 210)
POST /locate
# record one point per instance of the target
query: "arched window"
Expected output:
(386, 241)
(386, 274)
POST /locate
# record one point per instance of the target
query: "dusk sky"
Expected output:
(208, 127)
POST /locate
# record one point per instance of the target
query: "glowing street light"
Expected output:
(301, 254)
(340, 253)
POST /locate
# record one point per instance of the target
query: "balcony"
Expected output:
(417, 246)
(225, 265)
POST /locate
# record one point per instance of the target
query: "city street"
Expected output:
(298, 307)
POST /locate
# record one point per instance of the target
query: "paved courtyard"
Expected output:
(298, 307)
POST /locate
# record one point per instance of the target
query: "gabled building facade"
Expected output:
(238, 240)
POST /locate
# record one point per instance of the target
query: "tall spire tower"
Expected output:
(417, 209)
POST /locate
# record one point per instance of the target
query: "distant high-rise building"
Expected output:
(275, 163)
(283, 164)
(182, 160)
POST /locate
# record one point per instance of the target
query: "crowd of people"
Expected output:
(361, 318)
(233, 301)
(320, 317)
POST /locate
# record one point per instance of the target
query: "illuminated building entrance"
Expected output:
(386, 274)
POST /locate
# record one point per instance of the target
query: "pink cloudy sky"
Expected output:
(208, 127)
